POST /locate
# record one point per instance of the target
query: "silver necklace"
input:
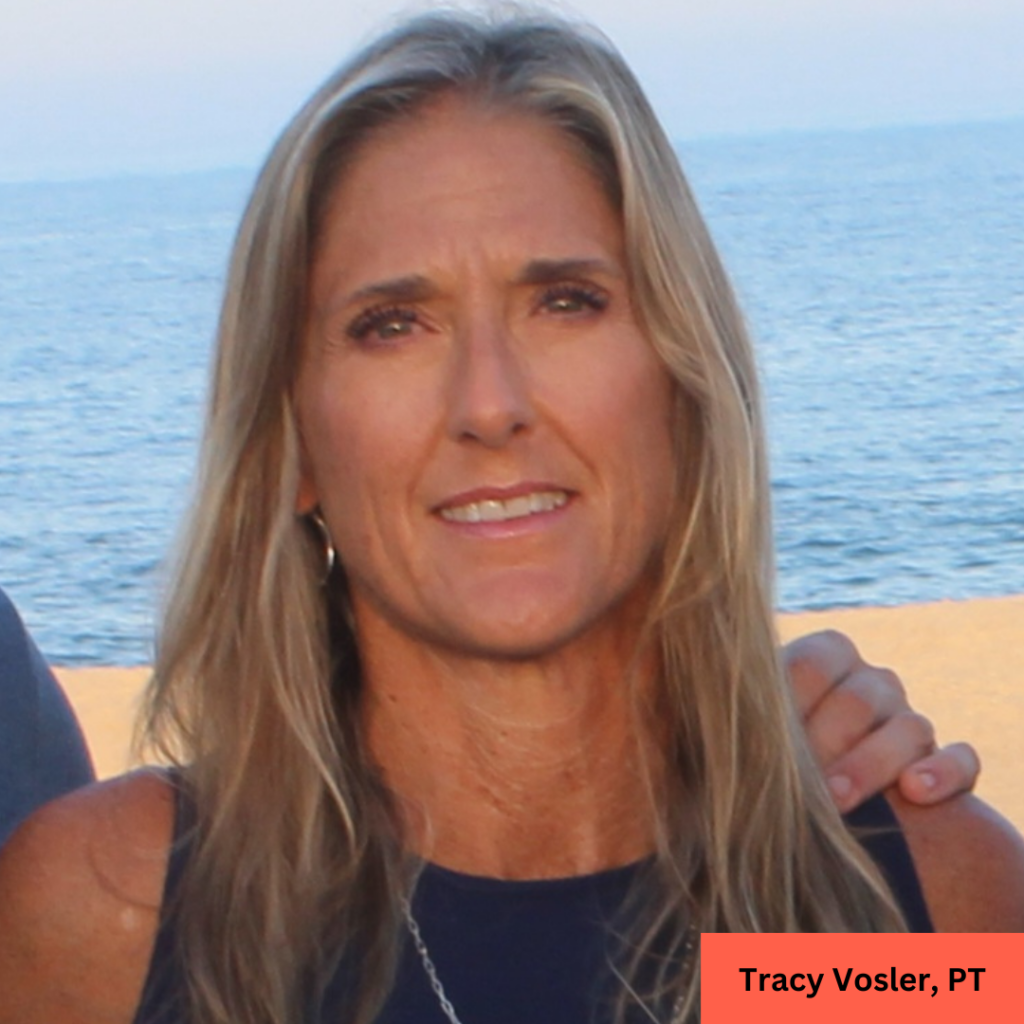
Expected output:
(446, 1004)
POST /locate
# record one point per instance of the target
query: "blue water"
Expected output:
(883, 273)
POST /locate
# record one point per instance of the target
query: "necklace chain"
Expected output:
(442, 997)
(428, 964)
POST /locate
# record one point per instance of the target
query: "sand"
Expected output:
(962, 663)
(106, 701)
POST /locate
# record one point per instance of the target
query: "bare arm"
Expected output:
(80, 889)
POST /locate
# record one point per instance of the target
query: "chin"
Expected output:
(504, 645)
(529, 633)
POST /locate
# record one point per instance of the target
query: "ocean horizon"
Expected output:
(882, 271)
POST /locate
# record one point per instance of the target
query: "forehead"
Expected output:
(457, 177)
(465, 122)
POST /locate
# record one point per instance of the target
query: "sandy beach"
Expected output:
(962, 662)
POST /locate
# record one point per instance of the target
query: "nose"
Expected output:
(491, 395)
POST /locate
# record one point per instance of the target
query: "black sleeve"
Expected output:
(875, 827)
(42, 751)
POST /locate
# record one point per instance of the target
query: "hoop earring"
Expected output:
(330, 555)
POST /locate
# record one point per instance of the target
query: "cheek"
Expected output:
(354, 485)
(639, 417)
(644, 423)
(621, 400)
(354, 466)
(362, 454)
(336, 447)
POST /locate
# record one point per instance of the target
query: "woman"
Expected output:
(471, 640)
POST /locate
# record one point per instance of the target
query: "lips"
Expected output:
(497, 509)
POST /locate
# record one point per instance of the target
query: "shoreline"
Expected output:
(962, 663)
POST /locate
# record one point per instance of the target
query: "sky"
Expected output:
(110, 86)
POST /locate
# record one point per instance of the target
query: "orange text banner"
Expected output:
(870, 979)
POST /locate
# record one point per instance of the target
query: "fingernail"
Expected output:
(841, 787)
(927, 779)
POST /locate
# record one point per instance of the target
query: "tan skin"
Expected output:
(493, 653)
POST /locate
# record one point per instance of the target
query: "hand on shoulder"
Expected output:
(81, 883)
(970, 861)
(864, 733)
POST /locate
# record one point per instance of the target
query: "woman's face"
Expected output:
(484, 426)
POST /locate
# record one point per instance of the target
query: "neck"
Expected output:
(512, 769)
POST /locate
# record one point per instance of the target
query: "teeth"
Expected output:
(493, 511)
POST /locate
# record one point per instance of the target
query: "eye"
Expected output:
(382, 324)
(573, 299)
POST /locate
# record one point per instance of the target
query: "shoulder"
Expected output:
(81, 884)
(970, 861)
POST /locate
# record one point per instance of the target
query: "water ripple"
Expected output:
(883, 273)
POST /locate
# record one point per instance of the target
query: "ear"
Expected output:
(306, 498)
(306, 495)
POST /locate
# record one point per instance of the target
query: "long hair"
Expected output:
(297, 860)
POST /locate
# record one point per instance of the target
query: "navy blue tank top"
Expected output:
(509, 951)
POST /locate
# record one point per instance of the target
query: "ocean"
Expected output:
(882, 272)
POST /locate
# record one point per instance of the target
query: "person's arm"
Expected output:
(970, 860)
(864, 733)
(42, 752)
(81, 883)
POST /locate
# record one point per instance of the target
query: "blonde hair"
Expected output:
(297, 859)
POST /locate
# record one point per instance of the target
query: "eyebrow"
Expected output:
(417, 288)
(553, 271)
(412, 288)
